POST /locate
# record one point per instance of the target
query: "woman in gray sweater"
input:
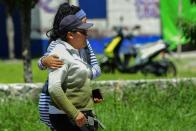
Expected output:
(51, 61)
(69, 86)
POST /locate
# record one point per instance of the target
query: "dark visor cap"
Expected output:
(72, 22)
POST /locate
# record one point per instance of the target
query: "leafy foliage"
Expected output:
(189, 29)
(193, 1)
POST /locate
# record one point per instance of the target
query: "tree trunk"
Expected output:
(10, 35)
(26, 30)
(9, 4)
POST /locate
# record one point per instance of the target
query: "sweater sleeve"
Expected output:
(95, 68)
(57, 94)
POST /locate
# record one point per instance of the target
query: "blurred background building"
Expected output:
(105, 14)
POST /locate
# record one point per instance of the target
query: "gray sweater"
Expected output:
(69, 86)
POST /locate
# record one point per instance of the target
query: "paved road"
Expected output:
(189, 54)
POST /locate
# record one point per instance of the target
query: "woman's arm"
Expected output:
(95, 68)
(57, 94)
(49, 61)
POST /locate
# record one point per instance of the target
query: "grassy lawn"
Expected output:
(12, 71)
(19, 115)
(134, 109)
(150, 108)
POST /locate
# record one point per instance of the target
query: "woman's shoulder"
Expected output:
(56, 47)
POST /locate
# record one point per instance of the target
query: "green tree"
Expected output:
(179, 26)
(188, 23)
(189, 29)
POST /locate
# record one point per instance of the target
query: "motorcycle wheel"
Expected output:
(106, 67)
(160, 68)
(148, 70)
(171, 69)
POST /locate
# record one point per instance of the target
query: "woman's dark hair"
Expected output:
(63, 10)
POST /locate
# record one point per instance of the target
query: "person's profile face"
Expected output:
(79, 39)
(82, 36)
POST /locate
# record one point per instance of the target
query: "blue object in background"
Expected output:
(98, 45)
(94, 8)
(17, 34)
(145, 39)
(38, 47)
(3, 36)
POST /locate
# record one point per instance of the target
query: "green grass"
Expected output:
(186, 67)
(148, 108)
(12, 71)
(19, 115)
(151, 109)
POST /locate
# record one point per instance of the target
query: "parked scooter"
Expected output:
(144, 57)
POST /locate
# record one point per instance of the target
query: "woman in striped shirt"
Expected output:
(53, 62)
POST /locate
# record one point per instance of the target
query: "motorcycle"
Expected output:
(144, 57)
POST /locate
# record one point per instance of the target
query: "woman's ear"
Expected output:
(70, 35)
